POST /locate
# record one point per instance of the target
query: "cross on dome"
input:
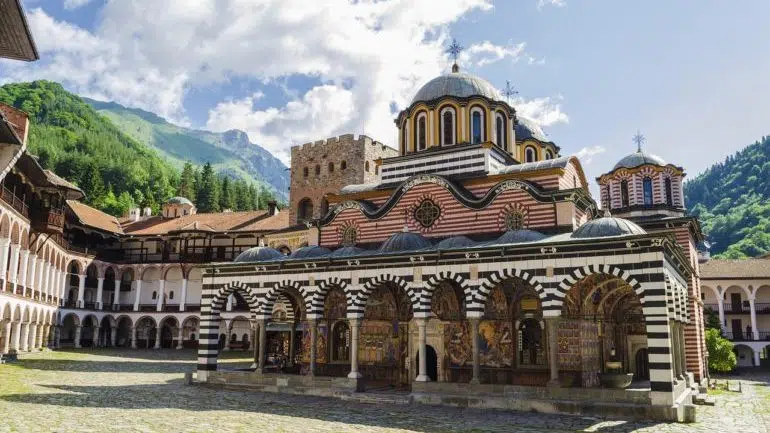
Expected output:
(509, 91)
(454, 50)
(639, 139)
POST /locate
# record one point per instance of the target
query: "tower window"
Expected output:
(366, 166)
(624, 193)
(500, 130)
(548, 154)
(317, 169)
(669, 193)
(305, 209)
(343, 165)
(448, 126)
(331, 167)
(530, 155)
(647, 188)
(404, 138)
(422, 131)
(305, 172)
(477, 126)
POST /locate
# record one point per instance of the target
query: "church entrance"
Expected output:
(642, 365)
(431, 363)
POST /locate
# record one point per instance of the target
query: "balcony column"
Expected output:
(158, 333)
(161, 292)
(57, 337)
(183, 298)
(753, 310)
(25, 337)
(29, 278)
(99, 293)
(721, 308)
(133, 337)
(114, 337)
(5, 244)
(61, 283)
(137, 295)
(78, 330)
(81, 290)
(180, 338)
(53, 289)
(32, 337)
(422, 324)
(355, 326)
(38, 278)
(17, 336)
(13, 265)
(116, 300)
(45, 288)
(23, 262)
(7, 339)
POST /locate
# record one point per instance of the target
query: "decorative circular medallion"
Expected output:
(427, 213)
(349, 236)
(514, 219)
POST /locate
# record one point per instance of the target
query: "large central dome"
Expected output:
(459, 85)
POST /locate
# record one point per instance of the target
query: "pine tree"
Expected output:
(207, 199)
(227, 198)
(94, 187)
(186, 186)
(241, 195)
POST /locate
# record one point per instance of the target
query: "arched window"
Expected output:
(531, 343)
(154, 295)
(305, 172)
(305, 209)
(500, 130)
(340, 342)
(624, 193)
(669, 193)
(366, 166)
(530, 154)
(331, 167)
(477, 125)
(324, 207)
(422, 131)
(171, 295)
(647, 188)
(548, 154)
(404, 138)
(448, 126)
(376, 169)
(317, 169)
(343, 165)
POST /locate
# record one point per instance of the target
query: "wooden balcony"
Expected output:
(48, 221)
(15, 202)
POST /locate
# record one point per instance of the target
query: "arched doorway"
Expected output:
(431, 363)
(642, 365)
(384, 339)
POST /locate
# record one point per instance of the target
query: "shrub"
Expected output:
(721, 355)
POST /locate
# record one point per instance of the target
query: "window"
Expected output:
(331, 167)
(427, 213)
(422, 131)
(376, 169)
(647, 188)
(305, 172)
(477, 126)
(548, 154)
(404, 138)
(324, 207)
(530, 154)
(514, 220)
(171, 295)
(366, 166)
(317, 169)
(305, 209)
(669, 193)
(343, 165)
(448, 126)
(624, 193)
(500, 130)
(349, 236)
(154, 295)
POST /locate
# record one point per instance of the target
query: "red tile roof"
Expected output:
(746, 268)
(94, 217)
(247, 221)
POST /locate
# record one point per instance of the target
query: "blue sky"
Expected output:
(690, 75)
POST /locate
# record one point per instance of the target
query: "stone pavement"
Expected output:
(143, 391)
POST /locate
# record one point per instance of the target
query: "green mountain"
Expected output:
(115, 170)
(732, 199)
(228, 152)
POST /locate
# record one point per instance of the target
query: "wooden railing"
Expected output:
(15, 202)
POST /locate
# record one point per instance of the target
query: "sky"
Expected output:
(689, 75)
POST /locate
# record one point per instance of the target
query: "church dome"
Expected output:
(607, 226)
(258, 254)
(457, 84)
(518, 236)
(347, 252)
(404, 241)
(527, 129)
(310, 252)
(179, 200)
(639, 158)
(455, 242)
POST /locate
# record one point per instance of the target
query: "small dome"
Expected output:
(607, 226)
(310, 252)
(459, 85)
(404, 241)
(347, 252)
(179, 200)
(456, 242)
(527, 129)
(519, 236)
(639, 158)
(258, 254)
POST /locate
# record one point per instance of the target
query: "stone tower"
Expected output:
(326, 166)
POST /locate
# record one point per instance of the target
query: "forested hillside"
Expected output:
(114, 170)
(732, 199)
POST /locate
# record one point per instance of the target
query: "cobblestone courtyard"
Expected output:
(142, 391)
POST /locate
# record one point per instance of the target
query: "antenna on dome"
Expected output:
(454, 50)
(509, 91)
(639, 140)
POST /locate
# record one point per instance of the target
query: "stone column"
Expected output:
(116, 300)
(57, 337)
(721, 307)
(45, 288)
(53, 290)
(355, 326)
(17, 336)
(292, 337)
(81, 289)
(158, 332)
(229, 304)
(262, 345)
(13, 266)
(63, 285)
(313, 343)
(5, 244)
(422, 323)
(161, 292)
(23, 262)
(7, 339)
(754, 329)
(255, 345)
(133, 337)
(99, 293)
(25, 337)
(552, 328)
(96, 339)
(114, 336)
(183, 298)
(32, 337)
(38, 278)
(475, 345)
(77, 336)
(138, 294)
(31, 268)
(180, 338)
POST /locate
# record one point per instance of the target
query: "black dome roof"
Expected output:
(404, 241)
(607, 226)
(518, 236)
(456, 242)
(347, 252)
(258, 254)
(310, 252)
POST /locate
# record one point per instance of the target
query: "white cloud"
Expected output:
(557, 3)
(544, 111)
(486, 52)
(587, 154)
(74, 4)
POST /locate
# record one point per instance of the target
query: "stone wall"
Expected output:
(317, 169)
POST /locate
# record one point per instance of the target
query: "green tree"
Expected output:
(227, 198)
(721, 356)
(207, 199)
(94, 187)
(712, 321)
(186, 186)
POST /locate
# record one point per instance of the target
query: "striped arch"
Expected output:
(265, 305)
(433, 281)
(324, 287)
(478, 300)
(579, 273)
(359, 303)
(219, 299)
